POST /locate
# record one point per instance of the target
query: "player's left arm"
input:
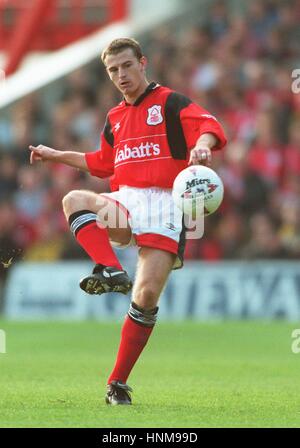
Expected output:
(193, 133)
(203, 133)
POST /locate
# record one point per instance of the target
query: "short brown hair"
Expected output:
(118, 45)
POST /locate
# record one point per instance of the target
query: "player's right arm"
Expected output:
(99, 163)
(46, 154)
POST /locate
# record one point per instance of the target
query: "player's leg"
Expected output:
(85, 211)
(153, 269)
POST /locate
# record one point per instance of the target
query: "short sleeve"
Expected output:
(197, 121)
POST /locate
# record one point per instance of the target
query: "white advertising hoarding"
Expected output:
(200, 291)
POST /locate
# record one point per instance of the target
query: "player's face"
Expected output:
(126, 71)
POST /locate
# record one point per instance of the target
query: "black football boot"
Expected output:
(106, 279)
(118, 393)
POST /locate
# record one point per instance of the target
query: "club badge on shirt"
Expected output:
(154, 115)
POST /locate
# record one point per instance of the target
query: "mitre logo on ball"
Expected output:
(154, 115)
(194, 182)
(198, 189)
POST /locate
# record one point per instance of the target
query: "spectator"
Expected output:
(264, 242)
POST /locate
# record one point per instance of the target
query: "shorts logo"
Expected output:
(170, 226)
(154, 115)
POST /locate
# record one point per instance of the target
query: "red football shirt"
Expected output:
(147, 143)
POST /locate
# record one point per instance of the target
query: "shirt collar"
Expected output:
(150, 87)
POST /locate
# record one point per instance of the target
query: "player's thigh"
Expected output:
(115, 218)
(153, 269)
(108, 212)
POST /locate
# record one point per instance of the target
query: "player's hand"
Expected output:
(200, 156)
(41, 153)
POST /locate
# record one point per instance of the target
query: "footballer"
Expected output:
(148, 138)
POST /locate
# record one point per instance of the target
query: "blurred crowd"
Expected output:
(239, 67)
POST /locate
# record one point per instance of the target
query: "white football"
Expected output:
(198, 189)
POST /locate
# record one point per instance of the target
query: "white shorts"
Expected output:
(154, 219)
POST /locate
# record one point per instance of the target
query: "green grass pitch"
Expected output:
(224, 374)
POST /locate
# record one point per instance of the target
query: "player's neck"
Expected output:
(132, 97)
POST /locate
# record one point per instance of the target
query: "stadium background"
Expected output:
(234, 58)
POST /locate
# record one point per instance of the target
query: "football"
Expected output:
(198, 189)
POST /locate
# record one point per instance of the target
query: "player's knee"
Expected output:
(146, 297)
(75, 200)
(69, 200)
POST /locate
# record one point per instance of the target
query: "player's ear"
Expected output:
(143, 62)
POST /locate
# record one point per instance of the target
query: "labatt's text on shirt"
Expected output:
(143, 150)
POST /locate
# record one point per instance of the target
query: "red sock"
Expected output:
(93, 239)
(134, 337)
